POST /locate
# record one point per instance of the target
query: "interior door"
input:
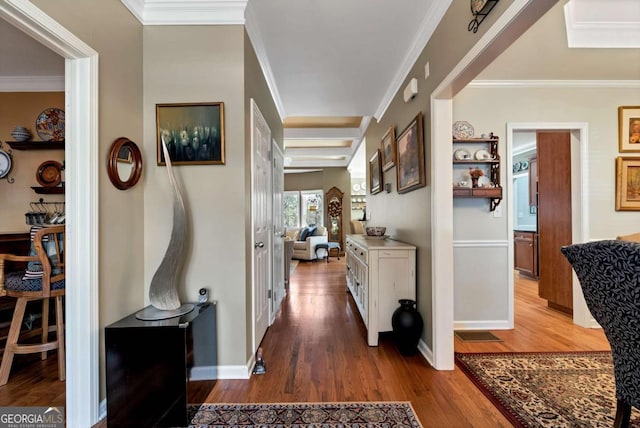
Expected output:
(554, 218)
(261, 221)
(278, 231)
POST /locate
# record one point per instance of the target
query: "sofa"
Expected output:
(305, 240)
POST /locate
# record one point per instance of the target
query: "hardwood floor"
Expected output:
(316, 351)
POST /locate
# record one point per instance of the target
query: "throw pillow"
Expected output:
(312, 231)
(304, 233)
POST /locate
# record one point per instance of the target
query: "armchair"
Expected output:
(609, 274)
(306, 249)
(43, 279)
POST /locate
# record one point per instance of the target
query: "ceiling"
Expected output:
(333, 65)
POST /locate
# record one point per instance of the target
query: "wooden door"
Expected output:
(554, 217)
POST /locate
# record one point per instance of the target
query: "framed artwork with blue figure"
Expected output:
(193, 133)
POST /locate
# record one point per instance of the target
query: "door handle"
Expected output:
(258, 245)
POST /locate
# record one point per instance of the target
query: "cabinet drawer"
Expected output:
(523, 236)
(396, 254)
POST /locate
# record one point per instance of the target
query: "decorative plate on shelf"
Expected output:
(49, 173)
(50, 125)
(524, 165)
(477, 6)
(517, 166)
(461, 154)
(5, 163)
(462, 129)
(483, 154)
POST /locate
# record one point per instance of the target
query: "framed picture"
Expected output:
(388, 150)
(629, 128)
(193, 133)
(375, 173)
(627, 183)
(410, 157)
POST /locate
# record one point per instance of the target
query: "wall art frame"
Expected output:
(629, 128)
(410, 170)
(388, 149)
(375, 173)
(193, 132)
(627, 183)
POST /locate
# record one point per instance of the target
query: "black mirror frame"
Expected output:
(112, 163)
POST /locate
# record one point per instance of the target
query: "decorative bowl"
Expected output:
(375, 230)
(20, 133)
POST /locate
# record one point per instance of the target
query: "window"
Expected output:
(303, 208)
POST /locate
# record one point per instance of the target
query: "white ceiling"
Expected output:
(335, 57)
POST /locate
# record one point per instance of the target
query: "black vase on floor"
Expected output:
(407, 327)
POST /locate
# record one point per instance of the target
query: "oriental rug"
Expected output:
(549, 389)
(348, 414)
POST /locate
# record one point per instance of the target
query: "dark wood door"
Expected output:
(554, 217)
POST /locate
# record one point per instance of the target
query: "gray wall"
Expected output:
(184, 64)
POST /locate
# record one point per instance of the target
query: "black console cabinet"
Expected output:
(149, 365)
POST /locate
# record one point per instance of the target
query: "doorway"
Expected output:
(579, 215)
(81, 166)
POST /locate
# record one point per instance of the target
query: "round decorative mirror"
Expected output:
(124, 164)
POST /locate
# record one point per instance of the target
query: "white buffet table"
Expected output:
(379, 273)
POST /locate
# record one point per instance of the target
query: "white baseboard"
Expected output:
(426, 352)
(482, 325)
(102, 410)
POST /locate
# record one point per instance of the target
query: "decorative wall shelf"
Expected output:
(494, 194)
(36, 145)
(58, 190)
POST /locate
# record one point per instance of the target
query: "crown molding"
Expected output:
(610, 24)
(258, 46)
(31, 83)
(554, 84)
(187, 12)
(432, 19)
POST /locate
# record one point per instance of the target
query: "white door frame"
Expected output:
(518, 16)
(81, 171)
(579, 203)
(277, 290)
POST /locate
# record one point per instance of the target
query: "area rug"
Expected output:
(559, 389)
(371, 414)
(476, 336)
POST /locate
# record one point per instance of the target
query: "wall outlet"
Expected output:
(497, 212)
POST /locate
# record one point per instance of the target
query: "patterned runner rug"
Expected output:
(559, 389)
(383, 414)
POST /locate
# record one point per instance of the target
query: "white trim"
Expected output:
(235, 372)
(31, 83)
(425, 351)
(187, 12)
(554, 84)
(622, 31)
(442, 260)
(483, 325)
(579, 201)
(425, 31)
(203, 373)
(103, 410)
(81, 161)
(489, 243)
(263, 59)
